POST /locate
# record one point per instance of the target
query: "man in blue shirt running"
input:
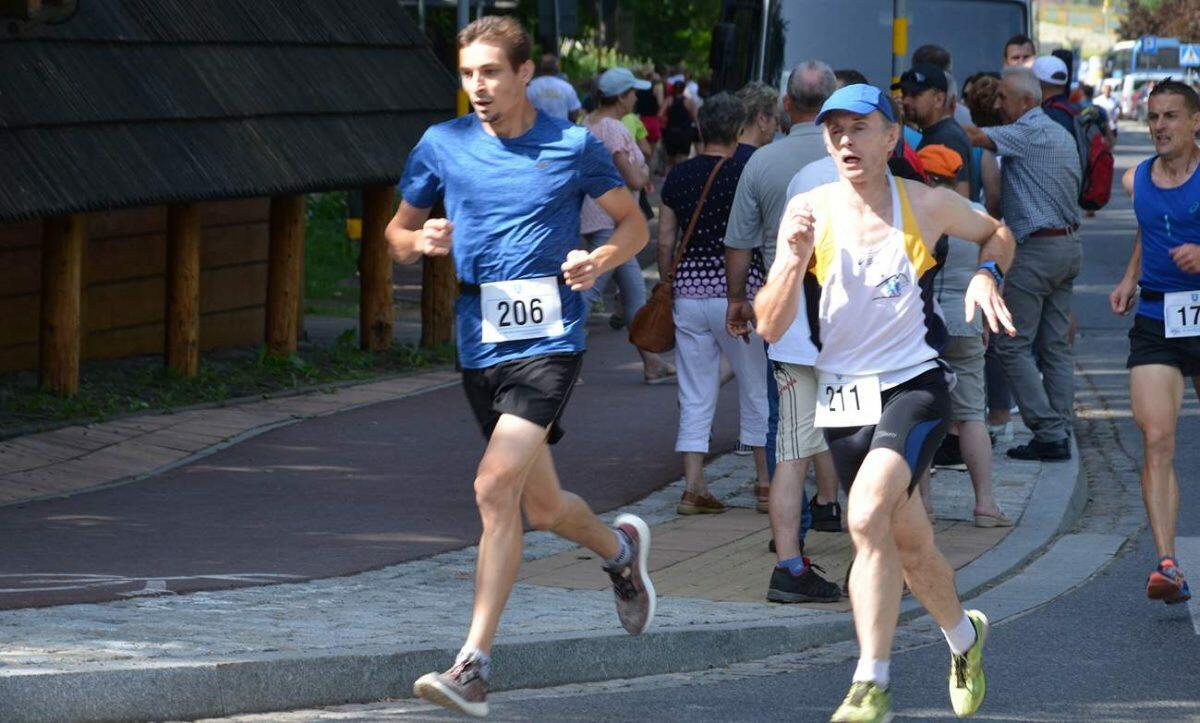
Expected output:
(513, 181)
(1164, 343)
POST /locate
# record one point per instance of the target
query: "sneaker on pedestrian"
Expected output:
(808, 586)
(636, 599)
(865, 703)
(1035, 450)
(949, 454)
(826, 517)
(694, 504)
(743, 450)
(968, 685)
(462, 688)
(1167, 583)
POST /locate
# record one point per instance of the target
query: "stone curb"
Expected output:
(207, 688)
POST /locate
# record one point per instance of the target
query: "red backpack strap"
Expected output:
(1066, 107)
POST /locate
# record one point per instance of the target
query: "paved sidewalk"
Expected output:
(76, 458)
(367, 636)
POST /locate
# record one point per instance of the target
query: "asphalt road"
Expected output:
(332, 496)
(1099, 652)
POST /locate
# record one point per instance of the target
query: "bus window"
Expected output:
(1167, 58)
(820, 29)
(973, 32)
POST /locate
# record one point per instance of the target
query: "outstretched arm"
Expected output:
(996, 244)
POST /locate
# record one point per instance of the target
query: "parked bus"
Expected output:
(764, 39)
(1128, 57)
(1130, 66)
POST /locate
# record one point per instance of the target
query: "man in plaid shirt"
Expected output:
(1041, 179)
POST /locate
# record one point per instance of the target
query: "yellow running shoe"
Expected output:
(865, 703)
(968, 685)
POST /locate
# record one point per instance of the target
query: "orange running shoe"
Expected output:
(1167, 583)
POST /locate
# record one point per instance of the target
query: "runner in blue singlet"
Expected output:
(1164, 343)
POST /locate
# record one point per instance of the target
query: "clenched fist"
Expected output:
(797, 226)
(437, 235)
(579, 270)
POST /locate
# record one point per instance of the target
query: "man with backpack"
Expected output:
(1087, 125)
(1041, 178)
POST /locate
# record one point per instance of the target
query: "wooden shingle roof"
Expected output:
(139, 102)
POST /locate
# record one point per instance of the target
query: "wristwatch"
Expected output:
(994, 269)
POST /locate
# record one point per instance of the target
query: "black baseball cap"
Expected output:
(922, 76)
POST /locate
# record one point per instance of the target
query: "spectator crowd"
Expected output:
(1013, 142)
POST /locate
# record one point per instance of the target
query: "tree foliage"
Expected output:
(1164, 18)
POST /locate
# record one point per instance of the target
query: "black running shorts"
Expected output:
(913, 425)
(1148, 344)
(535, 389)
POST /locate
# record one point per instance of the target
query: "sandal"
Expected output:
(997, 520)
(694, 504)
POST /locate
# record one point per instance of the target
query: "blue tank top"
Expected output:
(1168, 217)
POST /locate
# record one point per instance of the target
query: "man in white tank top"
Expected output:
(862, 250)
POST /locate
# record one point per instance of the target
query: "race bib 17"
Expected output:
(524, 309)
(1181, 314)
(848, 401)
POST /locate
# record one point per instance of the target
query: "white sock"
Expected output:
(485, 661)
(961, 637)
(873, 671)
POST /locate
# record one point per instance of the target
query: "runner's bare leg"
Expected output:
(516, 456)
(1157, 394)
(875, 580)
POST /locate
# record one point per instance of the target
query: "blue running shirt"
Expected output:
(515, 207)
(1168, 217)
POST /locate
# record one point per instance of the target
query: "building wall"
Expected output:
(124, 273)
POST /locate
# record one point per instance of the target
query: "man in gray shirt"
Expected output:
(1041, 178)
(758, 207)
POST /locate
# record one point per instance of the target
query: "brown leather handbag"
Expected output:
(653, 327)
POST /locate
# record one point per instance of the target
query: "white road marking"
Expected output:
(1188, 549)
(50, 582)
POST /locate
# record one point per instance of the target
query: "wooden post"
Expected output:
(183, 289)
(439, 286)
(375, 321)
(60, 338)
(284, 263)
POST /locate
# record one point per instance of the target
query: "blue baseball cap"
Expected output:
(860, 99)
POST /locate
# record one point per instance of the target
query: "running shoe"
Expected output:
(865, 703)
(635, 595)
(462, 688)
(968, 685)
(808, 586)
(826, 517)
(743, 450)
(1168, 584)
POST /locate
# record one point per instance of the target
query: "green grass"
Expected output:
(122, 386)
(330, 259)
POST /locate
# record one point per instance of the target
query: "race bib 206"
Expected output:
(524, 309)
